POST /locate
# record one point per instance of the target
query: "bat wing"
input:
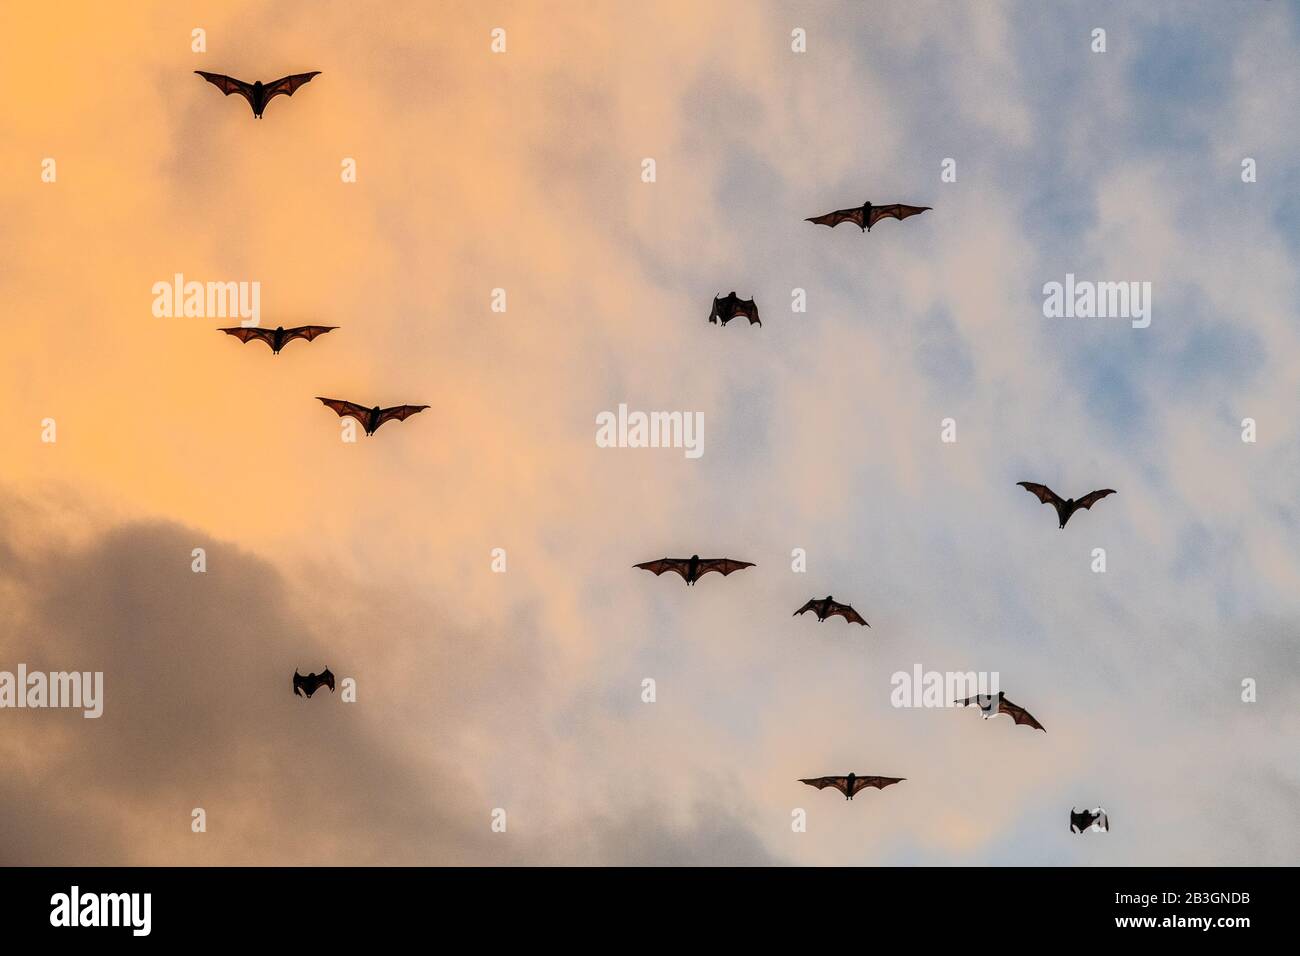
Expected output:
(344, 409)
(821, 783)
(1043, 493)
(1019, 714)
(810, 606)
(228, 84)
(298, 682)
(749, 310)
(846, 611)
(880, 783)
(1092, 497)
(723, 566)
(326, 679)
(665, 564)
(833, 219)
(287, 84)
(308, 332)
(398, 413)
(896, 211)
(246, 335)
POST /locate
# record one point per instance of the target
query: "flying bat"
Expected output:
(829, 607)
(867, 215)
(693, 568)
(258, 94)
(727, 307)
(312, 682)
(371, 418)
(851, 784)
(1067, 507)
(1017, 713)
(279, 337)
(1083, 820)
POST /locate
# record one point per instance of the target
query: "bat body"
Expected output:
(693, 568)
(278, 337)
(727, 307)
(1064, 506)
(371, 418)
(312, 682)
(851, 784)
(1014, 711)
(867, 215)
(1083, 820)
(258, 94)
(829, 607)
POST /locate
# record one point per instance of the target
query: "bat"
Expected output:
(693, 568)
(1083, 820)
(279, 337)
(1067, 507)
(851, 784)
(868, 215)
(829, 607)
(312, 682)
(371, 418)
(258, 94)
(1017, 713)
(727, 307)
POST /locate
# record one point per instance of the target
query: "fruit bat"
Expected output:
(371, 418)
(258, 94)
(312, 682)
(727, 307)
(1069, 506)
(867, 215)
(829, 607)
(1018, 713)
(693, 568)
(279, 337)
(1084, 820)
(851, 784)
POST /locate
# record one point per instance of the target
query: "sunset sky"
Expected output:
(522, 690)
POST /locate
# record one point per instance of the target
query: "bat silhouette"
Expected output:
(312, 682)
(1064, 508)
(1084, 820)
(867, 215)
(371, 418)
(258, 94)
(279, 337)
(1016, 712)
(727, 307)
(693, 568)
(829, 607)
(851, 784)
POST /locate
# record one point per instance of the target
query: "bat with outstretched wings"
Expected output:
(867, 215)
(851, 784)
(829, 607)
(371, 418)
(693, 568)
(1065, 507)
(727, 307)
(278, 337)
(312, 682)
(1083, 820)
(258, 94)
(1017, 713)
